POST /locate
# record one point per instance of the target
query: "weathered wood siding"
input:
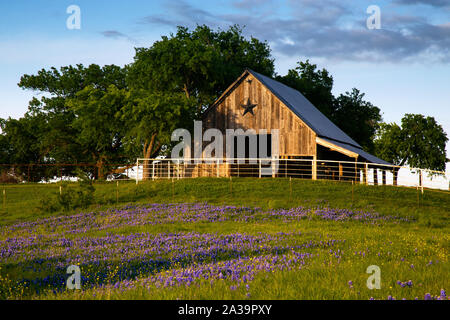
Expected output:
(296, 138)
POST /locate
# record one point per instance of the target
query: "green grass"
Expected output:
(431, 209)
(399, 246)
(402, 250)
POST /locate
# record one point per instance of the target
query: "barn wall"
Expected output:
(296, 138)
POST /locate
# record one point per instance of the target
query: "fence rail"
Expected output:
(153, 169)
(345, 171)
(52, 172)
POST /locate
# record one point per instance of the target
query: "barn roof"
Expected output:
(305, 110)
(315, 119)
(360, 151)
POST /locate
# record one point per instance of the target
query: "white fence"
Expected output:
(359, 172)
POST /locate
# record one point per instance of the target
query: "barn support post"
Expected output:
(218, 168)
(178, 169)
(314, 168)
(375, 176)
(273, 163)
(366, 174)
(383, 177)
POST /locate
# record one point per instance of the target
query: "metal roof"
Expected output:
(359, 151)
(305, 110)
(315, 119)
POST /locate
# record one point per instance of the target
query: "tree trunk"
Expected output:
(148, 147)
(100, 174)
(186, 91)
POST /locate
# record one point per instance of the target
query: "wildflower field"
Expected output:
(207, 239)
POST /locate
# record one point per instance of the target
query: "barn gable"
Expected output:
(296, 137)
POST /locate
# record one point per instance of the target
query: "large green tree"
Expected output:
(99, 126)
(21, 146)
(358, 118)
(201, 63)
(419, 142)
(149, 119)
(79, 105)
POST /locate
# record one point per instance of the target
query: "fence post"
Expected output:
(168, 169)
(272, 164)
(153, 170)
(4, 199)
(137, 171)
(217, 168)
(314, 168)
(260, 168)
(421, 179)
(285, 169)
(178, 169)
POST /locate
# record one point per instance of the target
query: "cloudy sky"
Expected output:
(404, 67)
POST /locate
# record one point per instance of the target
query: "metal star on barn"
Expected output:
(248, 107)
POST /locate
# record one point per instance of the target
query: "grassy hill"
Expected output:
(431, 208)
(227, 239)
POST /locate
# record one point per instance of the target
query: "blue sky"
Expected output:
(403, 68)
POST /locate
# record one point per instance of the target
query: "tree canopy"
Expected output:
(358, 118)
(201, 63)
(419, 142)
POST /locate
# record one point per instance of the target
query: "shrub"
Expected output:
(70, 198)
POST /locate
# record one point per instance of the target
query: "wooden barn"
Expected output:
(257, 102)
